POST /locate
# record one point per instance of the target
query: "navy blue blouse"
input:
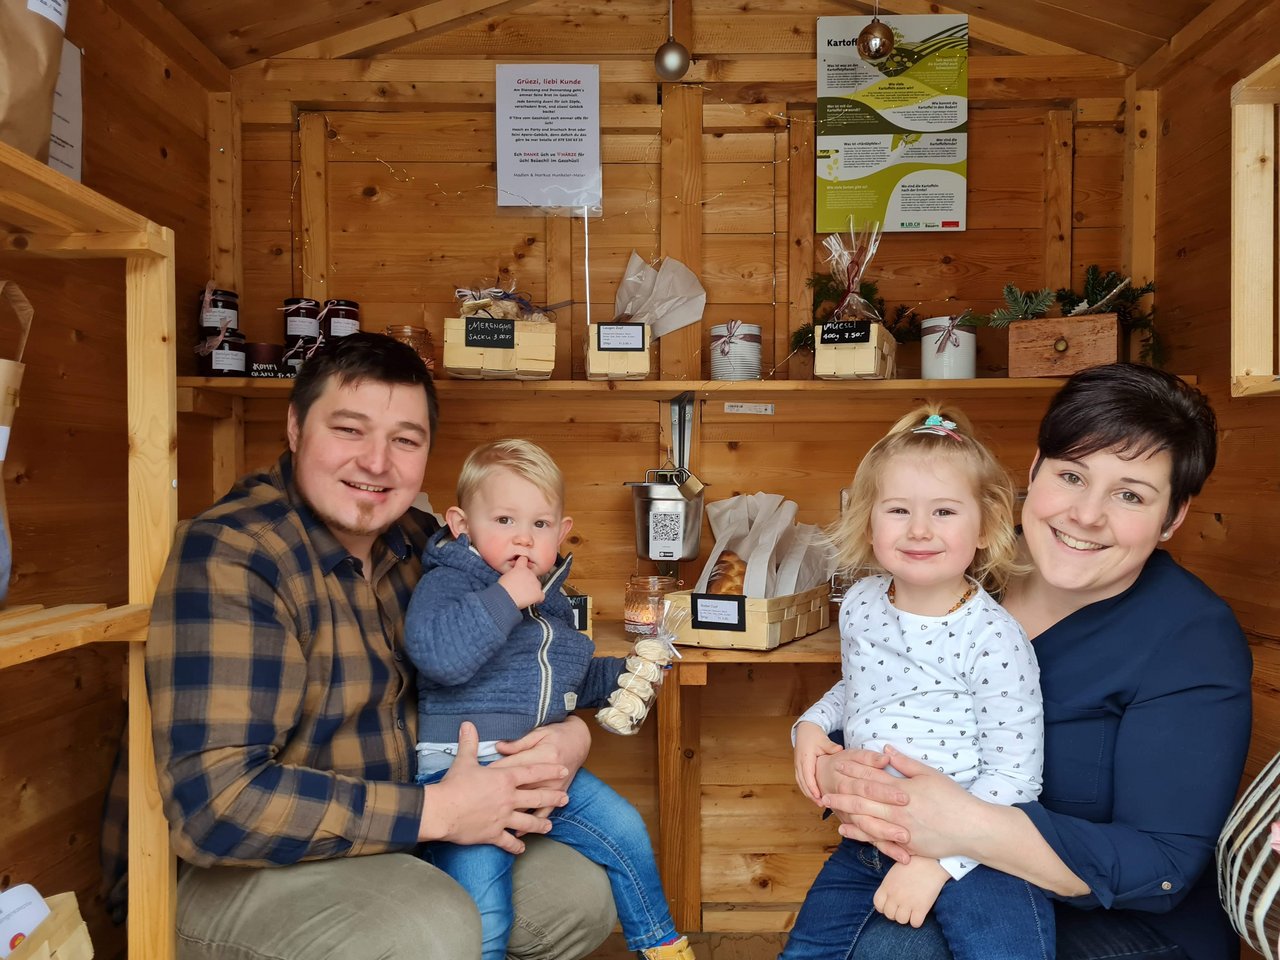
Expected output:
(1147, 713)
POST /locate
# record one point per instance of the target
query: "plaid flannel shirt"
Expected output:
(284, 710)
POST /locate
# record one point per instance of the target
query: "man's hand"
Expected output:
(522, 584)
(566, 743)
(909, 890)
(478, 804)
(812, 742)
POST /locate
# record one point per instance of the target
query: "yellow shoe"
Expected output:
(680, 950)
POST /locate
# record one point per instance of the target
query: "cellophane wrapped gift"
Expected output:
(647, 664)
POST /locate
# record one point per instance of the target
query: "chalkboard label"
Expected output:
(578, 603)
(490, 332)
(716, 611)
(846, 331)
(620, 337)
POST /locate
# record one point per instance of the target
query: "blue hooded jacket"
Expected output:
(480, 658)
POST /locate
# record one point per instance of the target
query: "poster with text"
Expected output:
(892, 134)
(548, 128)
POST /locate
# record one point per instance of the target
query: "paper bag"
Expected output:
(30, 55)
(10, 382)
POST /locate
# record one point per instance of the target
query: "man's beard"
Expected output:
(363, 526)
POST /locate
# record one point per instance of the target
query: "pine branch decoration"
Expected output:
(1020, 306)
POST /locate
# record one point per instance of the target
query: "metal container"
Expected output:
(668, 524)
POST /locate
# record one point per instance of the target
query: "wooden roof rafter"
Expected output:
(438, 16)
(980, 28)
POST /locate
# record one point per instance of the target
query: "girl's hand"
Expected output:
(909, 890)
(812, 742)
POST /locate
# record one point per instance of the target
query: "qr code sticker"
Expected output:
(664, 529)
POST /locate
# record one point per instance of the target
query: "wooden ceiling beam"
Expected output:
(1161, 65)
(386, 34)
(980, 28)
(172, 38)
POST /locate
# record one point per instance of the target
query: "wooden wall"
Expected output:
(1230, 537)
(65, 476)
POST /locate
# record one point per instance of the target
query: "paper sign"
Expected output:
(55, 10)
(66, 135)
(620, 337)
(548, 135)
(719, 612)
(21, 910)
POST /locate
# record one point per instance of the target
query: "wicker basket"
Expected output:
(768, 623)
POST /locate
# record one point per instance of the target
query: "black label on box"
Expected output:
(620, 337)
(578, 602)
(718, 611)
(490, 332)
(846, 331)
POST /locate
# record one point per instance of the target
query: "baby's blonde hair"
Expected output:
(526, 460)
(994, 564)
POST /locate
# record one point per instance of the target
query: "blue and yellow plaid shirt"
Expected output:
(283, 706)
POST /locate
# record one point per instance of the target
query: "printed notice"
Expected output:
(55, 10)
(719, 613)
(620, 337)
(892, 134)
(548, 129)
(66, 132)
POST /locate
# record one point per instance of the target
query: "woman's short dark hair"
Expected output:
(1133, 411)
(360, 357)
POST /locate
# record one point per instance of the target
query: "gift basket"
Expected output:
(499, 335)
(853, 343)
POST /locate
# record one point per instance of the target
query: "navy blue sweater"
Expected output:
(1147, 716)
(480, 658)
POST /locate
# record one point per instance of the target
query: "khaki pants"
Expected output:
(388, 907)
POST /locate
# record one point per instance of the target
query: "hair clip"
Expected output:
(936, 425)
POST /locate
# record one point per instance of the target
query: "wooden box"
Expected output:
(1061, 346)
(486, 348)
(855, 350)
(769, 623)
(61, 936)
(618, 351)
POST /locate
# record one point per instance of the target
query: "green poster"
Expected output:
(892, 134)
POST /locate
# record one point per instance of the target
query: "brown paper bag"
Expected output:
(10, 383)
(30, 54)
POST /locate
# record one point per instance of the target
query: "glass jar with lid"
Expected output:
(417, 337)
(642, 604)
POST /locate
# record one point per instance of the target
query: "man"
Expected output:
(284, 709)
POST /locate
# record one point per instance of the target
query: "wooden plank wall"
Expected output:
(1230, 536)
(65, 476)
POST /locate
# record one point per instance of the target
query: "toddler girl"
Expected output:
(933, 666)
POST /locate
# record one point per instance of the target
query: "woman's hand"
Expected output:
(925, 813)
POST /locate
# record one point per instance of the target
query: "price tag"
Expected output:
(490, 332)
(620, 337)
(714, 611)
(846, 331)
(578, 603)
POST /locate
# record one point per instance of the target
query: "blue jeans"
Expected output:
(1082, 935)
(600, 825)
(988, 915)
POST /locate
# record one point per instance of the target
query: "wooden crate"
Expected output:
(533, 356)
(62, 935)
(1061, 346)
(769, 623)
(617, 364)
(870, 360)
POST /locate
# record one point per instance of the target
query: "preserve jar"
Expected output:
(417, 337)
(642, 603)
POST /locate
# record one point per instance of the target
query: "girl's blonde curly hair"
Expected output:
(994, 564)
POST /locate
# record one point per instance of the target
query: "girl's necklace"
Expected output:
(967, 596)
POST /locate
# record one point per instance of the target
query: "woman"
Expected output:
(1145, 675)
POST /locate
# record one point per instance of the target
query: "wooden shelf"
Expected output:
(821, 647)
(30, 632)
(748, 390)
